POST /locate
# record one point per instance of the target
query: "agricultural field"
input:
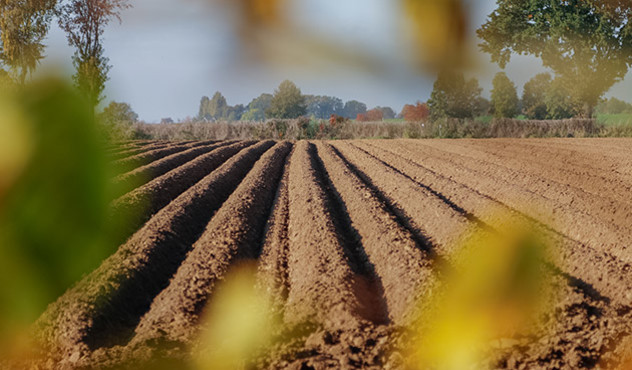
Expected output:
(347, 245)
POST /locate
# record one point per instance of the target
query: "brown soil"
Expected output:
(130, 211)
(139, 176)
(351, 238)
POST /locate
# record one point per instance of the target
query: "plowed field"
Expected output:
(349, 238)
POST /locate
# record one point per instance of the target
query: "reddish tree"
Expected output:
(374, 115)
(415, 113)
(336, 119)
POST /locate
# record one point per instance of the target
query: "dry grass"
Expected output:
(305, 129)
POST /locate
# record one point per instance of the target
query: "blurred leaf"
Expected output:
(53, 198)
(439, 31)
(239, 322)
(495, 293)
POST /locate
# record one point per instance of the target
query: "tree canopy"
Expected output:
(84, 22)
(415, 113)
(256, 109)
(323, 107)
(504, 97)
(213, 109)
(587, 43)
(559, 102)
(534, 96)
(454, 96)
(118, 113)
(24, 25)
(387, 112)
(287, 102)
(352, 108)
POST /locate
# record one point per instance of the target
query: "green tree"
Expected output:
(352, 108)
(203, 111)
(504, 96)
(483, 106)
(586, 43)
(559, 102)
(323, 107)
(387, 112)
(215, 108)
(24, 25)
(454, 96)
(84, 22)
(116, 113)
(255, 110)
(234, 113)
(287, 102)
(534, 96)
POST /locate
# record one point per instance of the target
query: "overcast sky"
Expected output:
(167, 54)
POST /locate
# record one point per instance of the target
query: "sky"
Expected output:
(167, 54)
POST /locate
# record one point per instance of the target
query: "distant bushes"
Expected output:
(303, 128)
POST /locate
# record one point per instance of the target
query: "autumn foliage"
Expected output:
(415, 113)
(371, 116)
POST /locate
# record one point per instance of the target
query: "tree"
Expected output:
(352, 108)
(534, 96)
(203, 111)
(84, 22)
(614, 106)
(24, 24)
(586, 43)
(415, 113)
(483, 106)
(374, 115)
(454, 96)
(559, 102)
(323, 107)
(216, 108)
(287, 102)
(116, 113)
(387, 112)
(234, 113)
(255, 110)
(504, 96)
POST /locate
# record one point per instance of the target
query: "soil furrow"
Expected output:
(135, 178)
(103, 309)
(579, 304)
(130, 211)
(234, 233)
(602, 232)
(142, 159)
(577, 259)
(574, 170)
(115, 148)
(403, 266)
(321, 281)
(272, 274)
(369, 290)
(614, 159)
(358, 245)
(441, 223)
(139, 150)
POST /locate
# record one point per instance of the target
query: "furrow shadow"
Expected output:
(368, 282)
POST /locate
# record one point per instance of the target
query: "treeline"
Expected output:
(287, 102)
(453, 96)
(24, 26)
